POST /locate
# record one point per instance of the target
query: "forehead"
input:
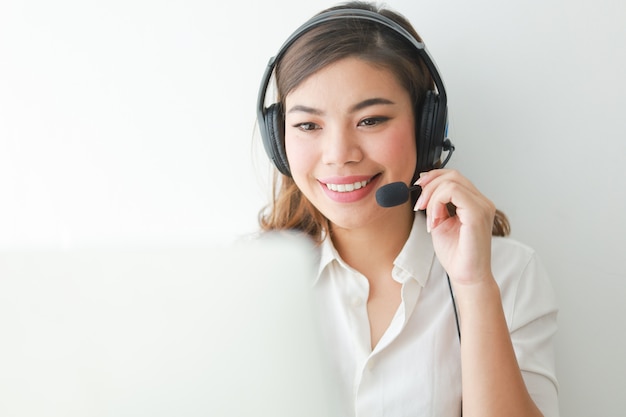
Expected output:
(348, 78)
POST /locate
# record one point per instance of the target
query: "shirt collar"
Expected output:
(416, 258)
(328, 254)
(414, 261)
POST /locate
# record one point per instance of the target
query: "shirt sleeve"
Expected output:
(531, 309)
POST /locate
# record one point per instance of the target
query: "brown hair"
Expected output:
(325, 44)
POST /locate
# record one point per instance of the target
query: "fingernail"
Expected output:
(422, 176)
(418, 203)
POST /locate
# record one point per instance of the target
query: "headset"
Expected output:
(431, 135)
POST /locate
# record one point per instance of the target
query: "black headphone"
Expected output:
(431, 137)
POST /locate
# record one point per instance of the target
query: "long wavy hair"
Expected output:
(323, 45)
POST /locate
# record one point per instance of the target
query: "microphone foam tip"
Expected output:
(392, 194)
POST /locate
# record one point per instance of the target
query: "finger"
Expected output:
(430, 181)
(438, 214)
(438, 175)
(471, 207)
(439, 199)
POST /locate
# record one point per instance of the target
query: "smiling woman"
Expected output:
(361, 105)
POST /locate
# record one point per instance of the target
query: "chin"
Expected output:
(360, 218)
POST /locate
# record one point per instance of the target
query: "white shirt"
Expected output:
(415, 368)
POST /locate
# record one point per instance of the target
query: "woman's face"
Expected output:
(349, 129)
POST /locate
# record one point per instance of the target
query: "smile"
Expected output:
(346, 188)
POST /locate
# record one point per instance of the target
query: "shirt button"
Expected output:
(357, 302)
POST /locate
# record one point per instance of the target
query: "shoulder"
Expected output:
(511, 250)
(524, 282)
(510, 260)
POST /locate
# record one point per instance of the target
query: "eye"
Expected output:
(306, 126)
(373, 121)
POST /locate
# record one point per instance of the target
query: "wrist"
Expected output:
(479, 295)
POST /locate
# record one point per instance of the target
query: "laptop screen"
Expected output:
(161, 332)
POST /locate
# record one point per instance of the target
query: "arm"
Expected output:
(492, 380)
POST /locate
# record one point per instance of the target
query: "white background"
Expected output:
(133, 122)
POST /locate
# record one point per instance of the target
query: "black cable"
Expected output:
(456, 314)
(447, 146)
(456, 318)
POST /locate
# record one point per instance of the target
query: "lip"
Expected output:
(349, 196)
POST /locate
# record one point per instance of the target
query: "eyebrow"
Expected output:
(359, 106)
(305, 109)
(371, 102)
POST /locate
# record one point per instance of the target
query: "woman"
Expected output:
(400, 287)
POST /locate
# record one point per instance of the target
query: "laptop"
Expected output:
(161, 331)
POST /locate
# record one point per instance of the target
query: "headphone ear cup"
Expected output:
(425, 136)
(273, 137)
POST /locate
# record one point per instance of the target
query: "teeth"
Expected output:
(346, 188)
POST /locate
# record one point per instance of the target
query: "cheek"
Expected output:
(401, 151)
(299, 155)
(301, 160)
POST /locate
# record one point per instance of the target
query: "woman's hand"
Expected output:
(460, 220)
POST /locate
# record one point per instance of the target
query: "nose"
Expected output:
(341, 146)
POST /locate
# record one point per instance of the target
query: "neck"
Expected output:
(373, 248)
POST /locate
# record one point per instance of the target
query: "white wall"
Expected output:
(129, 121)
